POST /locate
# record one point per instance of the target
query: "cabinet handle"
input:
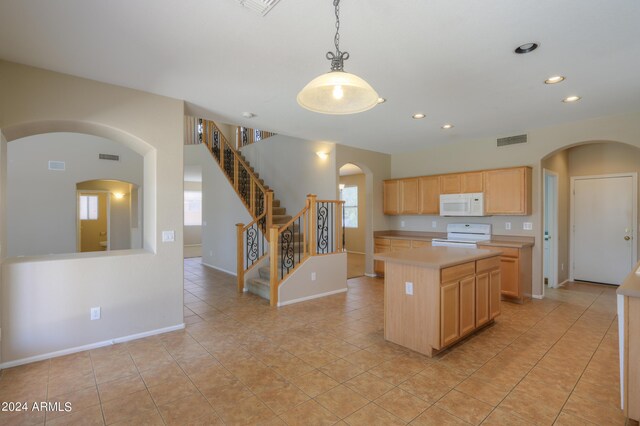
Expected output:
(627, 238)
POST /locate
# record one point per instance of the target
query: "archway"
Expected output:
(352, 189)
(578, 161)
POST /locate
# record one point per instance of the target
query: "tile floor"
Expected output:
(551, 361)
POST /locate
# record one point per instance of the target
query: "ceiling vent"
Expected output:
(109, 157)
(512, 140)
(261, 7)
(56, 165)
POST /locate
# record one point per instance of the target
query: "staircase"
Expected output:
(288, 241)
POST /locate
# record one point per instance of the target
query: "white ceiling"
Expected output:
(452, 60)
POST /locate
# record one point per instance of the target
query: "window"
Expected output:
(88, 207)
(349, 194)
(192, 208)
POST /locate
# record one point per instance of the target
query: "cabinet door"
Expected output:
(482, 298)
(472, 182)
(409, 200)
(450, 184)
(449, 313)
(508, 191)
(509, 266)
(378, 265)
(467, 305)
(494, 293)
(429, 188)
(391, 197)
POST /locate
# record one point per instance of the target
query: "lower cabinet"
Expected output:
(515, 268)
(469, 298)
(384, 245)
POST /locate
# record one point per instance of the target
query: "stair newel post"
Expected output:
(273, 265)
(305, 227)
(339, 226)
(313, 225)
(240, 258)
(268, 199)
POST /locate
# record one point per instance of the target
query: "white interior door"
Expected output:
(550, 237)
(603, 228)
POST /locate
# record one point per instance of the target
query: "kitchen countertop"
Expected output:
(436, 257)
(631, 284)
(497, 240)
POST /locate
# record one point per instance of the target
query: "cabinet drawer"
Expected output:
(509, 251)
(381, 249)
(401, 243)
(488, 264)
(454, 273)
(382, 241)
(420, 244)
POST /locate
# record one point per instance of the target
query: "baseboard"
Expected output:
(193, 245)
(563, 283)
(370, 275)
(315, 296)
(537, 296)
(235, 274)
(96, 345)
(355, 252)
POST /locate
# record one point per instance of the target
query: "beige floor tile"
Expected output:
(603, 393)
(565, 419)
(314, 383)
(372, 414)
(79, 400)
(503, 417)
(589, 410)
(341, 401)
(481, 390)
(318, 358)
(63, 384)
(222, 396)
(186, 410)
(465, 407)
(87, 416)
(128, 406)
(309, 413)
(341, 370)
(369, 386)
(173, 390)
(150, 418)
(119, 388)
(435, 416)
(402, 404)
(532, 408)
(156, 376)
(245, 412)
(425, 388)
(284, 398)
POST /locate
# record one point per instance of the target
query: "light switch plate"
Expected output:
(527, 226)
(507, 225)
(168, 236)
(408, 288)
(402, 224)
(95, 313)
(313, 276)
(434, 224)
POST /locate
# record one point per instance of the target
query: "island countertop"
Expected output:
(436, 257)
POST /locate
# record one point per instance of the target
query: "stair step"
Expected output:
(276, 203)
(259, 287)
(279, 211)
(281, 219)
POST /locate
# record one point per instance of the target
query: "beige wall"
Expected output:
(355, 237)
(484, 154)
(45, 301)
(331, 278)
(376, 167)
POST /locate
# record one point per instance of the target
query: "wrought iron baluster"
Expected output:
(244, 184)
(216, 145)
(228, 162)
(323, 228)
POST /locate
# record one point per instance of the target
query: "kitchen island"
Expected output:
(436, 296)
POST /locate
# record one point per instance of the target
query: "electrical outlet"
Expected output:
(95, 313)
(313, 276)
(210, 253)
(434, 224)
(562, 266)
(527, 226)
(204, 223)
(402, 224)
(168, 236)
(408, 288)
(507, 225)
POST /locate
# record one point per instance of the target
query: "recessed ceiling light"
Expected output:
(555, 79)
(248, 115)
(418, 116)
(526, 48)
(447, 126)
(571, 99)
(381, 100)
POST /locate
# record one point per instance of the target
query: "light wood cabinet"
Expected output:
(398, 245)
(386, 245)
(420, 244)
(450, 184)
(429, 191)
(515, 269)
(472, 182)
(409, 196)
(391, 197)
(467, 305)
(482, 298)
(449, 313)
(494, 293)
(507, 191)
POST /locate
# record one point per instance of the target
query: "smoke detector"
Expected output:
(261, 7)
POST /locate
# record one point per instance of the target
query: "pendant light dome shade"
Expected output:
(337, 92)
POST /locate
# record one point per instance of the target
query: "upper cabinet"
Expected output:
(391, 197)
(508, 191)
(429, 191)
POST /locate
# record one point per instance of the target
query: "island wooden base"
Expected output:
(446, 306)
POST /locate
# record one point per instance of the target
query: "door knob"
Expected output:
(627, 238)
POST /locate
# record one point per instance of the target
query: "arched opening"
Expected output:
(589, 213)
(352, 189)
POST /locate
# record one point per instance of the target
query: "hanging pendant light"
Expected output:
(337, 92)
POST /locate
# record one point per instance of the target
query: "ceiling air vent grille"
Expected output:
(261, 7)
(109, 157)
(56, 165)
(512, 140)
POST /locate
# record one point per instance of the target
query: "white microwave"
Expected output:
(462, 204)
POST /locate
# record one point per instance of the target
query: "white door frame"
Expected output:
(634, 214)
(553, 241)
(78, 232)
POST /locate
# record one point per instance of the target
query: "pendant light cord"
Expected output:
(337, 59)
